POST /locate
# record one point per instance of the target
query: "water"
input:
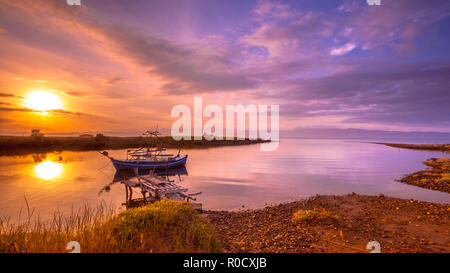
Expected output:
(229, 177)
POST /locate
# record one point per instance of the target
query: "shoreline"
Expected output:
(435, 177)
(319, 224)
(427, 147)
(16, 145)
(330, 223)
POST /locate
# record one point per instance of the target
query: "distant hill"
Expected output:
(362, 134)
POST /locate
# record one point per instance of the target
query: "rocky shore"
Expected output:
(436, 177)
(336, 224)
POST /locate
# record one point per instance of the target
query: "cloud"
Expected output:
(186, 67)
(343, 49)
(385, 93)
(15, 109)
(9, 95)
(396, 25)
(301, 35)
(114, 80)
(66, 112)
(54, 111)
(267, 9)
(75, 93)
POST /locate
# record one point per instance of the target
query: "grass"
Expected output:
(27, 144)
(164, 226)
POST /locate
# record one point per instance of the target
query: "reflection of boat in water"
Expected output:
(150, 158)
(153, 185)
(165, 173)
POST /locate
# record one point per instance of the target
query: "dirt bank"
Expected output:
(336, 224)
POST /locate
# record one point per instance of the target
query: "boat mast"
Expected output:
(152, 139)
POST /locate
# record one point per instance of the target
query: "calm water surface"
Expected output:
(228, 177)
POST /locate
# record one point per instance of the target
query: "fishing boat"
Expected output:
(149, 163)
(149, 158)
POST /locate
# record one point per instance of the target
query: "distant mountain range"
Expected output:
(361, 134)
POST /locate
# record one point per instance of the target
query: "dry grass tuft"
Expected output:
(165, 226)
(307, 216)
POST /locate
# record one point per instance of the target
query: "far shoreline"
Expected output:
(20, 145)
(426, 147)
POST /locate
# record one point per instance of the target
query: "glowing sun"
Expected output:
(42, 101)
(48, 170)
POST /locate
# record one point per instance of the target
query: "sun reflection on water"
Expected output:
(48, 170)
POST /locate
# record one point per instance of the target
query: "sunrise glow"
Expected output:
(43, 101)
(48, 170)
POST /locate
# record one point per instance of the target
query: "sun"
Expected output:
(42, 101)
(48, 170)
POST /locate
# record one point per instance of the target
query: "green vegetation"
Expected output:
(21, 145)
(164, 226)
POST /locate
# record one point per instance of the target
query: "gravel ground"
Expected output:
(336, 224)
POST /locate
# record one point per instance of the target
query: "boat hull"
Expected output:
(148, 165)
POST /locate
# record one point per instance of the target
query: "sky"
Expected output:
(118, 67)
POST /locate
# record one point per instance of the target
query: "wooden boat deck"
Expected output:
(157, 188)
